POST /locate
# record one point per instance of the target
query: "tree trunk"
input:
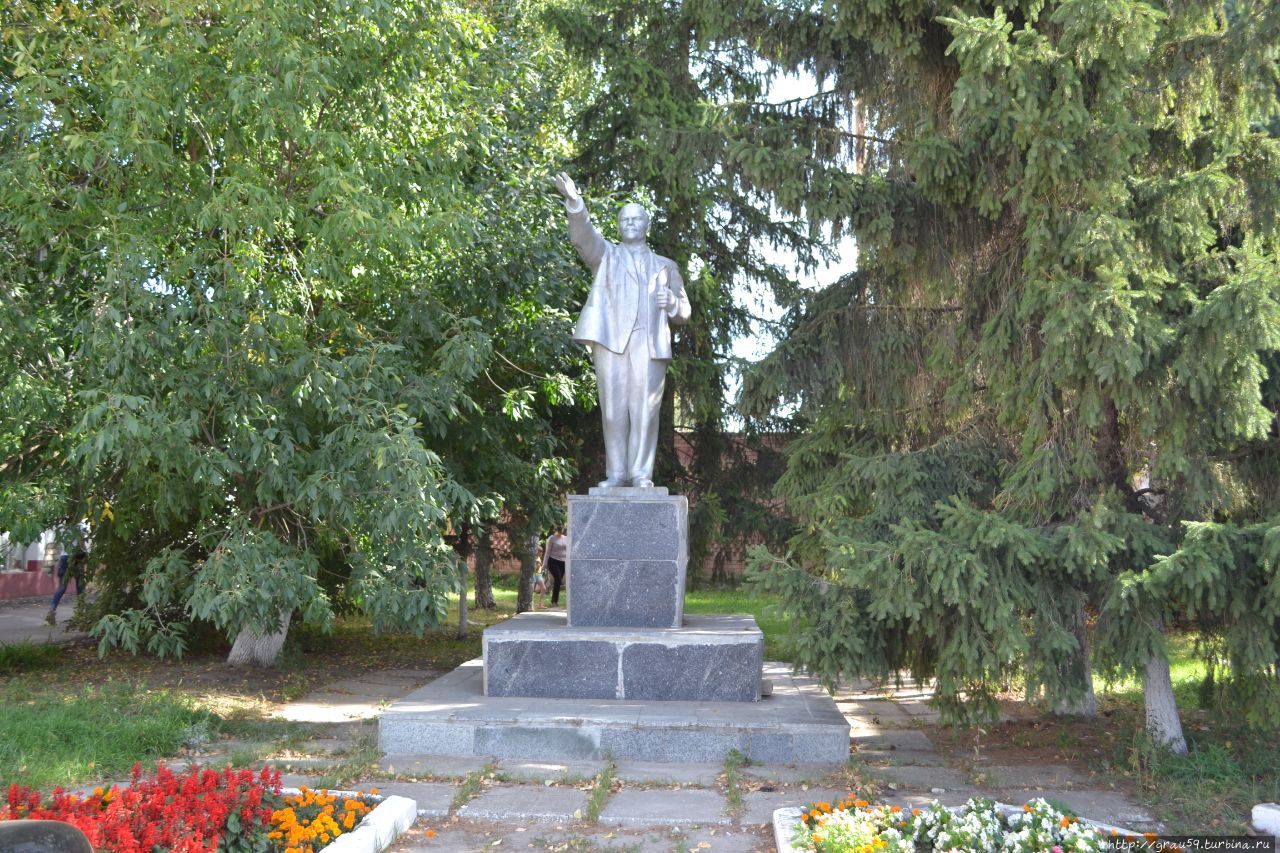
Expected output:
(719, 575)
(462, 599)
(252, 648)
(1163, 723)
(484, 570)
(1077, 671)
(526, 547)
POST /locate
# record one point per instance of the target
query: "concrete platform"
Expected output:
(713, 657)
(452, 716)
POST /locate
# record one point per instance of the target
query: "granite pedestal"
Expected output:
(711, 657)
(628, 554)
(624, 673)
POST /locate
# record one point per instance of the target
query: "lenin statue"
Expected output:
(635, 297)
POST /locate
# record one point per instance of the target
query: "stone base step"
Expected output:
(452, 716)
(714, 658)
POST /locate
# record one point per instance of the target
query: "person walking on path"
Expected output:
(553, 557)
(68, 567)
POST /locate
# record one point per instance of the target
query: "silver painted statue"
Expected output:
(634, 299)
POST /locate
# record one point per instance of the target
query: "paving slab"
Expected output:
(909, 740)
(331, 707)
(696, 774)
(473, 837)
(516, 803)
(921, 711)
(332, 746)
(312, 765)
(924, 778)
(432, 766)
(296, 780)
(409, 672)
(401, 678)
(232, 746)
(885, 758)
(454, 838)
(360, 697)
(592, 841)
(215, 762)
(860, 726)
(540, 771)
(854, 685)
(1101, 806)
(788, 773)
(433, 798)
(759, 806)
(888, 690)
(895, 746)
(663, 807)
(950, 798)
(1041, 776)
(744, 840)
(880, 711)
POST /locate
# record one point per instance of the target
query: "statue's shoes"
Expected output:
(642, 483)
(612, 483)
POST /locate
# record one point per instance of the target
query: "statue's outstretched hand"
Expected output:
(564, 184)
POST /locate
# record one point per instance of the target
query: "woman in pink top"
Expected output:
(553, 557)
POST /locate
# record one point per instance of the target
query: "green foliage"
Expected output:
(289, 300)
(1050, 389)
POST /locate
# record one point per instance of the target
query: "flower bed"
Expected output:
(980, 825)
(308, 820)
(200, 810)
(227, 811)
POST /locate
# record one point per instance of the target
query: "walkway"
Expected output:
(471, 804)
(22, 621)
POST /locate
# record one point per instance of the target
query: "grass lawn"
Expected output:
(64, 736)
(762, 607)
(72, 717)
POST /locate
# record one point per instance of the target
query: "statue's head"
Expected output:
(633, 223)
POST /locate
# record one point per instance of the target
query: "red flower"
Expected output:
(184, 812)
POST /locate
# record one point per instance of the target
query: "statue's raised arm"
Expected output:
(564, 185)
(591, 246)
(635, 297)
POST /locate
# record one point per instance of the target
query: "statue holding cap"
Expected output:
(635, 297)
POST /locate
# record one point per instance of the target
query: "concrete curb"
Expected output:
(785, 821)
(379, 827)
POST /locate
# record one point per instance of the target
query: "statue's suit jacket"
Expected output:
(609, 315)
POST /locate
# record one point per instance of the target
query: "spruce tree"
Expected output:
(1049, 390)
